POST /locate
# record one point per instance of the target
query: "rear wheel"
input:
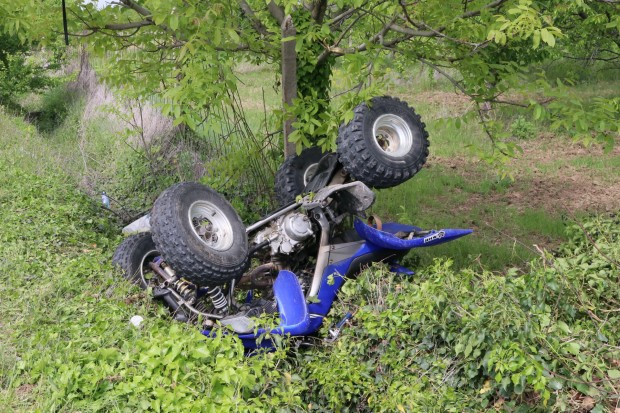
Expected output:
(384, 144)
(295, 173)
(133, 256)
(199, 234)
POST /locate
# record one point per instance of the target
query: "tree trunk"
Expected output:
(289, 79)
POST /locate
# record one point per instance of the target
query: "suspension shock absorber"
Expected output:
(186, 290)
(218, 299)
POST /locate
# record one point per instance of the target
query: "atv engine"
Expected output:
(286, 233)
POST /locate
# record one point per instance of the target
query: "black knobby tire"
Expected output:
(132, 257)
(362, 155)
(181, 246)
(290, 180)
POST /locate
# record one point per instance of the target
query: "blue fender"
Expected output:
(294, 317)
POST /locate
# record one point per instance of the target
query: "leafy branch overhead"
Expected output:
(186, 51)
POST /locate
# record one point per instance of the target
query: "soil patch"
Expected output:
(445, 104)
(566, 188)
(571, 192)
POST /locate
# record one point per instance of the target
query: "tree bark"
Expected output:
(289, 79)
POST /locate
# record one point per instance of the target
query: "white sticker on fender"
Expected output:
(433, 237)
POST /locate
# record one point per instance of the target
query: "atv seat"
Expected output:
(395, 236)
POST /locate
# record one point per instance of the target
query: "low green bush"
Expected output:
(443, 340)
(66, 341)
(521, 128)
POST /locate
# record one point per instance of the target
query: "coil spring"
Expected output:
(217, 298)
(186, 290)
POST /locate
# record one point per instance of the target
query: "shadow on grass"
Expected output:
(54, 109)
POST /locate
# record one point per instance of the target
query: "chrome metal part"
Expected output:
(163, 274)
(286, 233)
(211, 225)
(145, 258)
(273, 216)
(297, 226)
(323, 255)
(186, 290)
(393, 135)
(309, 172)
(218, 299)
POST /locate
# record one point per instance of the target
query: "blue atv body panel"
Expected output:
(299, 318)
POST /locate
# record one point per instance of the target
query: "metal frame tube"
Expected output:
(270, 218)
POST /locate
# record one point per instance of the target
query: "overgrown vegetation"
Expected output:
(448, 340)
(452, 340)
(522, 316)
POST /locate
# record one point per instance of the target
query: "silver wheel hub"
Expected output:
(309, 173)
(144, 269)
(211, 225)
(392, 135)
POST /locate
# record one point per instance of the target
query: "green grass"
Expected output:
(608, 163)
(503, 236)
(65, 341)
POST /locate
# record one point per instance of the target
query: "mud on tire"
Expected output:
(384, 144)
(199, 234)
(294, 174)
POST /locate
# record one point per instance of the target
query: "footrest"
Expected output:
(239, 323)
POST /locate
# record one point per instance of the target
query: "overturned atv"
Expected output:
(207, 265)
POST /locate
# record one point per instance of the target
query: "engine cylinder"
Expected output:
(297, 226)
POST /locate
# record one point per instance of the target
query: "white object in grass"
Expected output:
(136, 320)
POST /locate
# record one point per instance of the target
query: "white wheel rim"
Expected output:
(309, 173)
(392, 135)
(143, 263)
(210, 225)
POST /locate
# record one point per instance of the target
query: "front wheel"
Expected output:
(199, 234)
(384, 144)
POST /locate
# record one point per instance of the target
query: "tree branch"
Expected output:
(408, 32)
(135, 6)
(318, 10)
(342, 16)
(338, 51)
(129, 25)
(492, 5)
(276, 11)
(247, 10)
(413, 33)
(465, 15)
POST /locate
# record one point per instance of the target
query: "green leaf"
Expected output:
(613, 374)
(536, 39)
(234, 36)
(547, 37)
(555, 384)
(573, 347)
(174, 22)
(564, 327)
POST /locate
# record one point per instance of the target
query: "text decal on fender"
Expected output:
(433, 237)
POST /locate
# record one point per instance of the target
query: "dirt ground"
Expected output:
(545, 178)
